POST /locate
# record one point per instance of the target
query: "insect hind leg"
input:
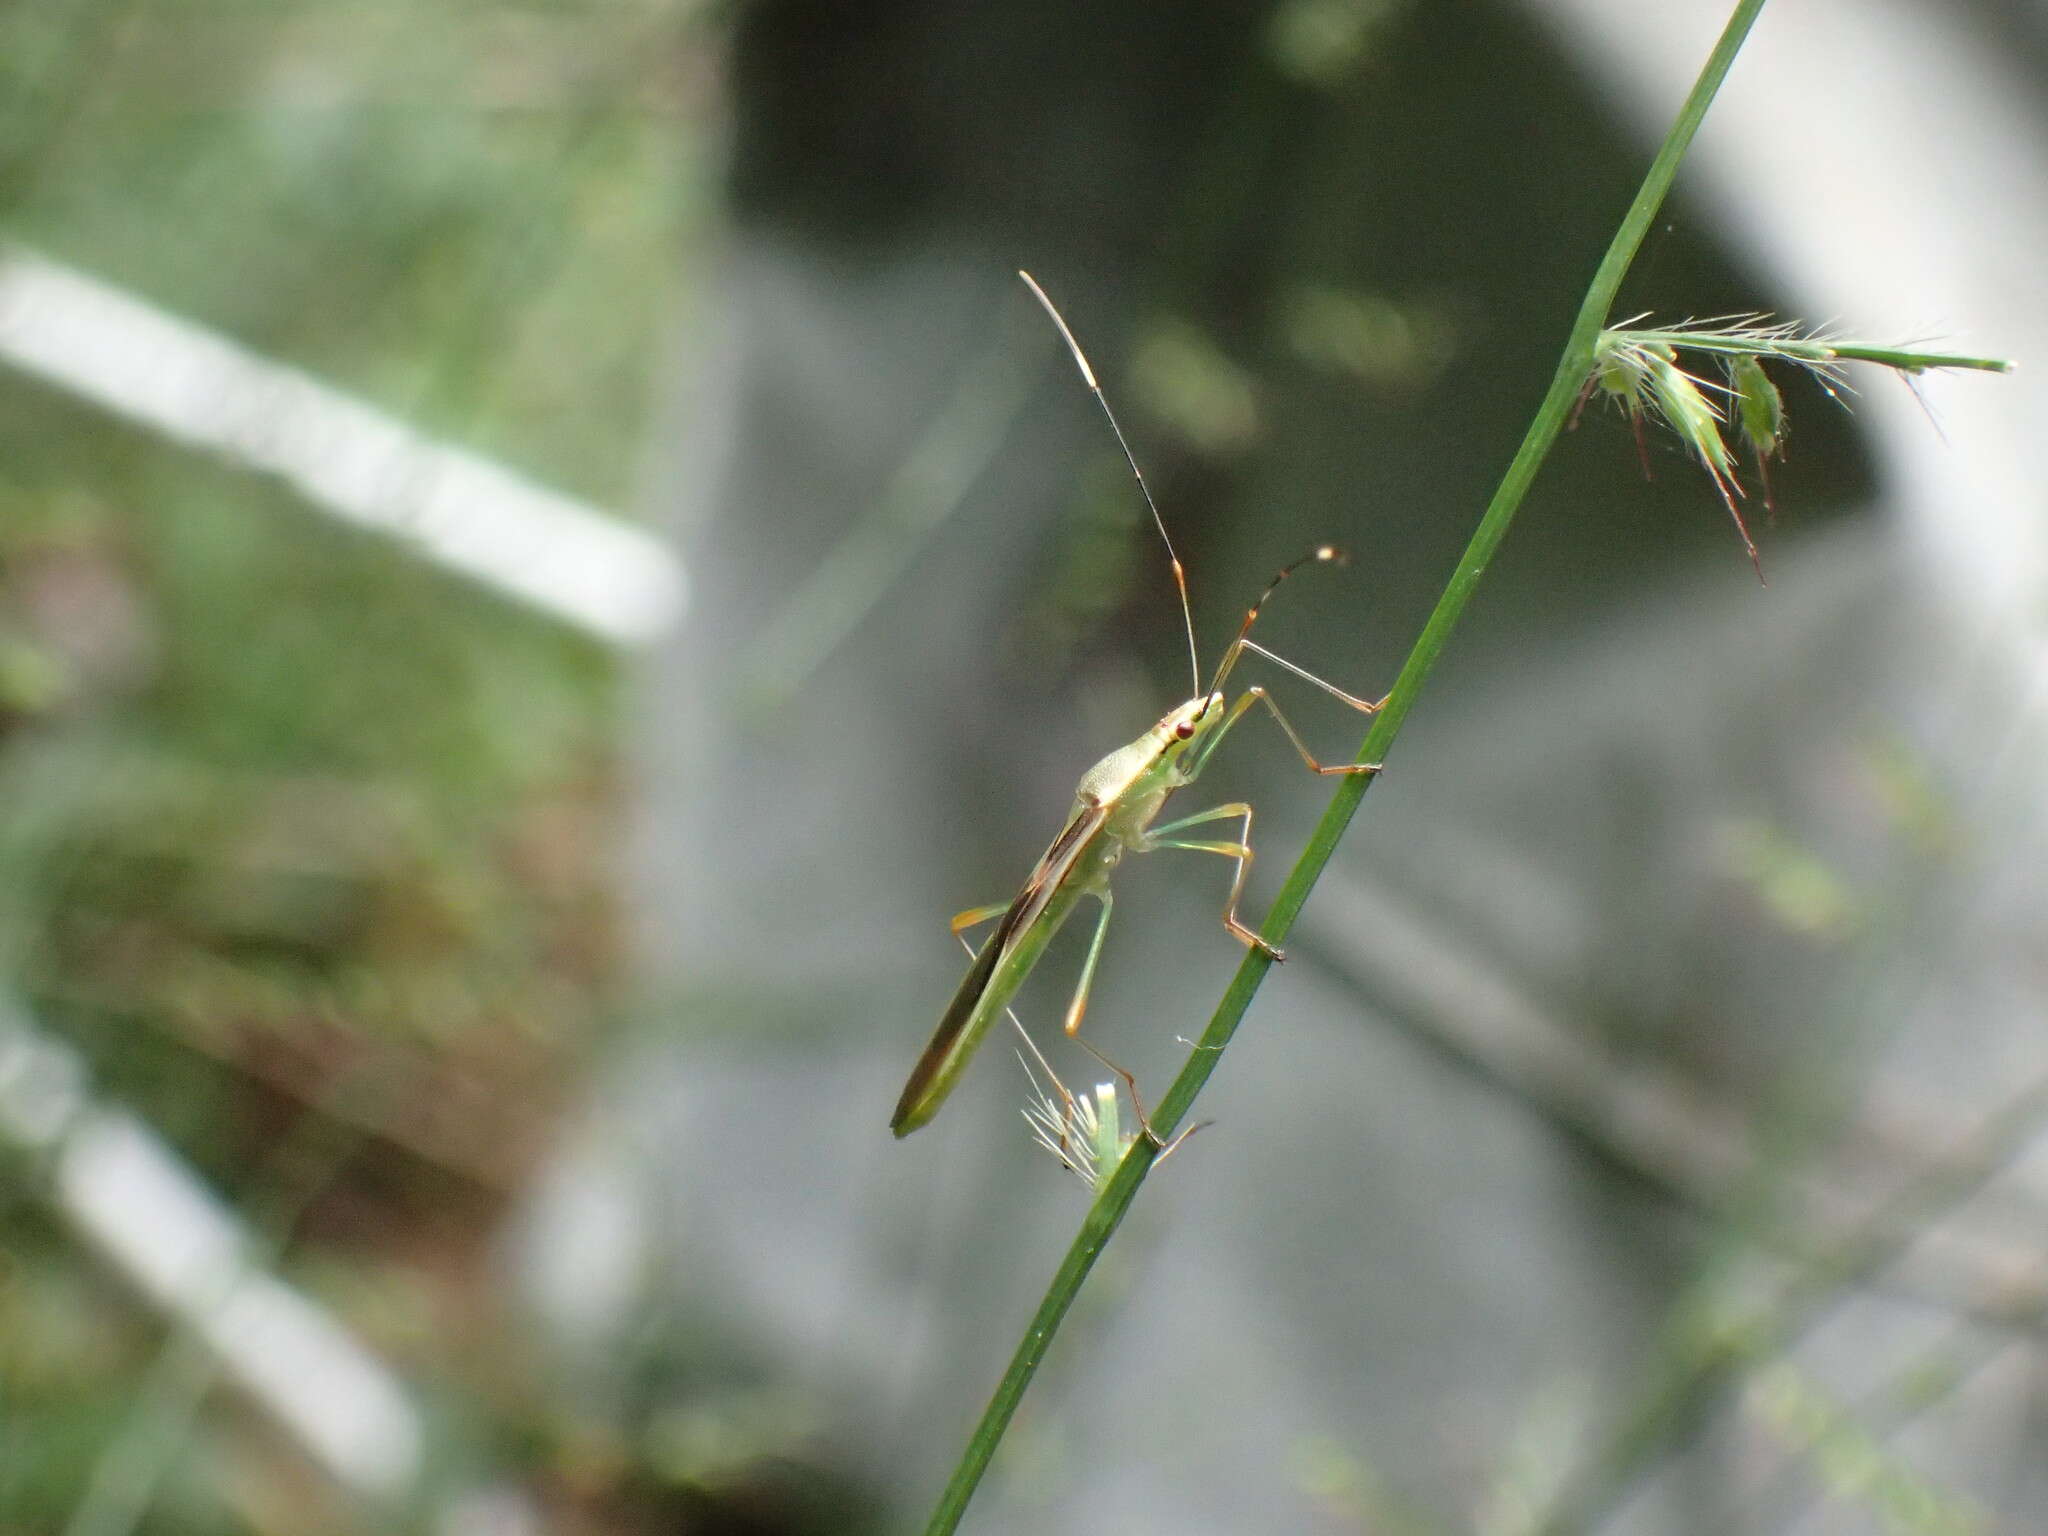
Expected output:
(1079, 1007)
(1165, 1148)
(974, 917)
(1076, 1010)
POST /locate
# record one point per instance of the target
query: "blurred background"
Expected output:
(544, 552)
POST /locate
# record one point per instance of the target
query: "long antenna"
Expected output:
(1180, 578)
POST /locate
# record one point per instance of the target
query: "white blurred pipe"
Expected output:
(139, 1203)
(461, 510)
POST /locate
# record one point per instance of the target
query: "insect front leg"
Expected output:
(1241, 851)
(1301, 746)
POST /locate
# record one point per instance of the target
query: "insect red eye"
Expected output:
(1185, 729)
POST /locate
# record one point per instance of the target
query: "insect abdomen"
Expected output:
(998, 971)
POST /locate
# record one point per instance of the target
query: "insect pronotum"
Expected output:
(1113, 813)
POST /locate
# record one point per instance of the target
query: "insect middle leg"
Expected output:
(1240, 850)
(1300, 746)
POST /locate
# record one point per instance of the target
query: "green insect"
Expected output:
(1113, 813)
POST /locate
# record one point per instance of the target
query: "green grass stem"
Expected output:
(1574, 367)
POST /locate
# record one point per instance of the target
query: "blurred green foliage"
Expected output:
(297, 831)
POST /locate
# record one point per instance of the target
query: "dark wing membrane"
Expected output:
(1045, 879)
(1051, 868)
(940, 1050)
